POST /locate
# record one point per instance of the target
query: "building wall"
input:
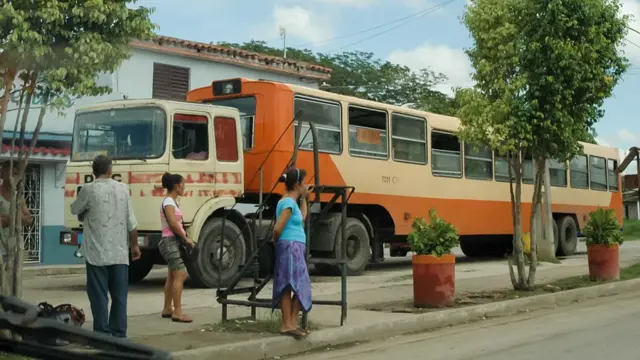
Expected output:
(52, 213)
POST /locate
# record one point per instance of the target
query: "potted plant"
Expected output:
(433, 263)
(603, 237)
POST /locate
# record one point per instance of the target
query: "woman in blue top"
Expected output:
(291, 283)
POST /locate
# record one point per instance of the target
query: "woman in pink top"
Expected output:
(172, 231)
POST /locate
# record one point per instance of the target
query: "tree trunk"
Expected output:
(550, 252)
(535, 221)
(515, 178)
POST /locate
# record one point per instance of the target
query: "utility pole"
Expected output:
(283, 35)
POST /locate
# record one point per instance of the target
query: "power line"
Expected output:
(407, 17)
(634, 30)
(425, 12)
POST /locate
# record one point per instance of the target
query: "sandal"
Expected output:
(182, 319)
(167, 316)
(296, 334)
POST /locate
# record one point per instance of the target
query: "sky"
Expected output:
(430, 36)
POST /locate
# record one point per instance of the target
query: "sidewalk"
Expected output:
(154, 331)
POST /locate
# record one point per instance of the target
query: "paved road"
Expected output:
(605, 328)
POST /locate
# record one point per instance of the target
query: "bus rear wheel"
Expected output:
(207, 271)
(567, 236)
(358, 249)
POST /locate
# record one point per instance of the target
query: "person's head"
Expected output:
(293, 179)
(6, 166)
(173, 183)
(102, 166)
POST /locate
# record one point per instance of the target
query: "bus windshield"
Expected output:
(123, 133)
(247, 107)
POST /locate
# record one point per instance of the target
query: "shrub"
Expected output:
(437, 237)
(603, 228)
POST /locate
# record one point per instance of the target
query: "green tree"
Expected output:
(54, 50)
(362, 74)
(543, 71)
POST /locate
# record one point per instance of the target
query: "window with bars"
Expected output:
(170, 82)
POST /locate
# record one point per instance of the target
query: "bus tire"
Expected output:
(358, 249)
(567, 236)
(139, 269)
(204, 271)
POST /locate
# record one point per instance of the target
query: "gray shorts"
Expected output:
(170, 251)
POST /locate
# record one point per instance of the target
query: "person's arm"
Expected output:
(81, 204)
(281, 222)
(132, 223)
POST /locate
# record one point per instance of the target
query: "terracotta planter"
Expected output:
(433, 280)
(604, 263)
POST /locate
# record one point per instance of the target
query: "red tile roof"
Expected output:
(217, 53)
(43, 151)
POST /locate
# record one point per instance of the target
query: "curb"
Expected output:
(33, 272)
(282, 346)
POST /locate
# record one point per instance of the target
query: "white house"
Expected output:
(165, 67)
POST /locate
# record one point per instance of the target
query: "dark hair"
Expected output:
(101, 165)
(293, 177)
(170, 181)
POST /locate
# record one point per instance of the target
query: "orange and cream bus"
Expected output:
(402, 162)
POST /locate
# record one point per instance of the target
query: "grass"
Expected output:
(269, 325)
(631, 230)
(484, 297)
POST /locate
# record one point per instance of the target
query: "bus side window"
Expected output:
(612, 165)
(409, 139)
(579, 172)
(558, 173)
(501, 168)
(478, 161)
(226, 139)
(598, 173)
(368, 133)
(528, 173)
(190, 137)
(327, 118)
(446, 157)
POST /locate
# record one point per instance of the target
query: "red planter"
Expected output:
(604, 263)
(434, 280)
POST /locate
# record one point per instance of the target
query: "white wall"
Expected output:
(52, 198)
(135, 78)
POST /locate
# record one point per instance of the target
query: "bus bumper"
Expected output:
(146, 240)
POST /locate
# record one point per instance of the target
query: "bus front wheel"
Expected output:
(208, 270)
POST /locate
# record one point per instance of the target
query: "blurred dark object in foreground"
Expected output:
(38, 333)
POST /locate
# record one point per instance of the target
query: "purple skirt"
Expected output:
(291, 272)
